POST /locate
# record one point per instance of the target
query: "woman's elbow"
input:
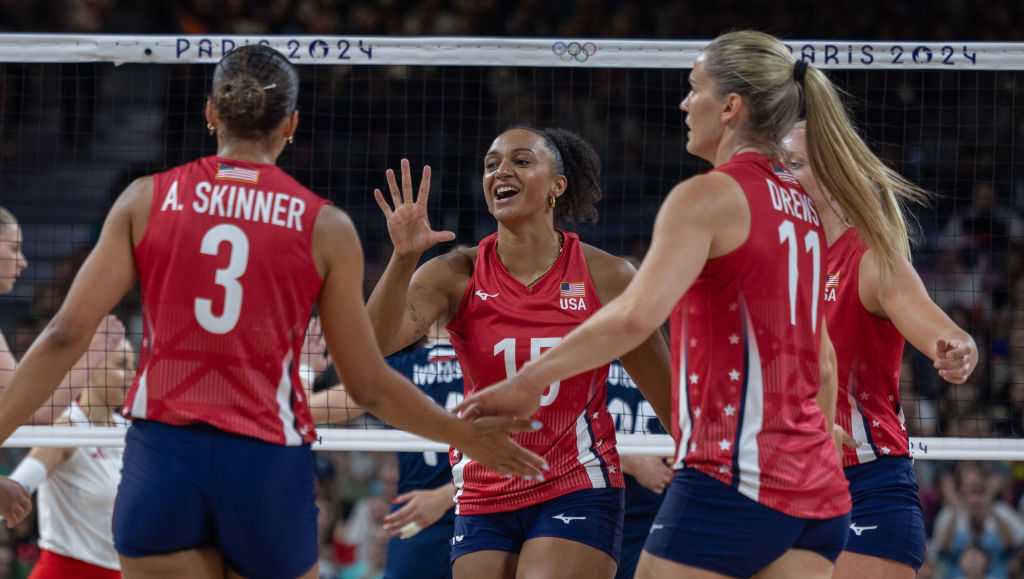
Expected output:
(63, 333)
(635, 320)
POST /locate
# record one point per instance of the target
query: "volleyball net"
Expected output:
(81, 116)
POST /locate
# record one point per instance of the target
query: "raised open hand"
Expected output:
(408, 224)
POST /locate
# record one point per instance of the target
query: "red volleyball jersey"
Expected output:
(746, 338)
(500, 325)
(868, 351)
(228, 285)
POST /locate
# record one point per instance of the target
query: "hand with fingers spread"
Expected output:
(408, 224)
(956, 359)
(421, 509)
(15, 502)
(490, 445)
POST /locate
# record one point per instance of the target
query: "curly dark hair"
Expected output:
(254, 88)
(579, 162)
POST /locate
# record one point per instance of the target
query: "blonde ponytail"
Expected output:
(871, 195)
(758, 67)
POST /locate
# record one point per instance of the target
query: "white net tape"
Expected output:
(927, 448)
(456, 51)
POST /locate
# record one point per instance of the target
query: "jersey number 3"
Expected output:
(227, 278)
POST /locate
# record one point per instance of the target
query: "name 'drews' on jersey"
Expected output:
(792, 202)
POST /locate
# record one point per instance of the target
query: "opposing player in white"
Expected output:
(76, 486)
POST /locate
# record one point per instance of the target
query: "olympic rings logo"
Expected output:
(574, 51)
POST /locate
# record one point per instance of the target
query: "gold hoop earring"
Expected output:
(552, 201)
(211, 128)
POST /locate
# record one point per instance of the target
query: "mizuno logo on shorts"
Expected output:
(858, 530)
(567, 519)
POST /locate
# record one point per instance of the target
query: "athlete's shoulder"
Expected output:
(459, 262)
(138, 191)
(133, 206)
(335, 239)
(332, 220)
(707, 196)
(611, 273)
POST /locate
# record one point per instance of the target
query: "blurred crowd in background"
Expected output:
(73, 135)
(943, 20)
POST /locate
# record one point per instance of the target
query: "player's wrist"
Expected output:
(529, 379)
(405, 255)
(461, 434)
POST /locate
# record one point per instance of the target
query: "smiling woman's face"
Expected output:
(519, 175)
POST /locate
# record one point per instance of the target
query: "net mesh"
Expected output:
(74, 134)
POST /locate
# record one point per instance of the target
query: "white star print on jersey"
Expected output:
(752, 321)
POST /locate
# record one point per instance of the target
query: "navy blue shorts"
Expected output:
(425, 555)
(706, 524)
(887, 520)
(592, 517)
(193, 487)
(634, 535)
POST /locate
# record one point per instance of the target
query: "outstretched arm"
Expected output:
(334, 406)
(648, 363)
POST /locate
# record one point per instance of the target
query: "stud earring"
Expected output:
(211, 128)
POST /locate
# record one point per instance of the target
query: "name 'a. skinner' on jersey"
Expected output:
(229, 280)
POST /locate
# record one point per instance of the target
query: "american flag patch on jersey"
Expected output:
(573, 289)
(784, 175)
(231, 173)
(832, 280)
